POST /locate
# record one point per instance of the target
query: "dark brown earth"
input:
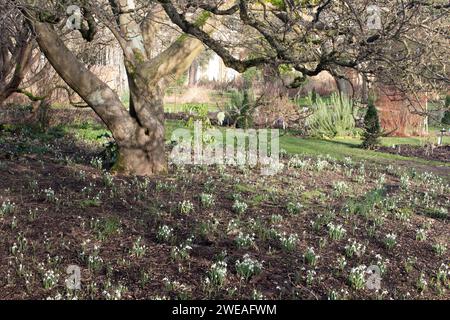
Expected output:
(87, 206)
(437, 153)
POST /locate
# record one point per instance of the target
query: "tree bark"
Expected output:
(21, 65)
(139, 132)
(143, 153)
(193, 74)
(141, 157)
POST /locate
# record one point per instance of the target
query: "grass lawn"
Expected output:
(183, 107)
(339, 148)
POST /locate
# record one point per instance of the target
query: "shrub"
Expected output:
(197, 112)
(446, 118)
(332, 119)
(240, 109)
(314, 96)
(372, 127)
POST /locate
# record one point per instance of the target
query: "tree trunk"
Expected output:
(143, 152)
(3, 96)
(139, 133)
(364, 90)
(193, 74)
(20, 66)
(141, 159)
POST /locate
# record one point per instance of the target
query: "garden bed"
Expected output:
(441, 153)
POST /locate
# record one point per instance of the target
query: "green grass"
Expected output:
(341, 148)
(391, 141)
(338, 148)
(305, 101)
(87, 131)
(436, 129)
(171, 126)
(416, 141)
(183, 107)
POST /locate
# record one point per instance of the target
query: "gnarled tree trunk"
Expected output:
(143, 152)
(14, 69)
(139, 132)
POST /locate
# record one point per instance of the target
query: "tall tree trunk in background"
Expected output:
(193, 70)
(14, 67)
(364, 89)
(16, 49)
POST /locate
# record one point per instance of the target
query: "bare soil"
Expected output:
(440, 153)
(110, 216)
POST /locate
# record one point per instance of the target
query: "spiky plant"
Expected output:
(332, 119)
(240, 109)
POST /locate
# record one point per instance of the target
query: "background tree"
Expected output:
(372, 127)
(446, 117)
(16, 49)
(398, 44)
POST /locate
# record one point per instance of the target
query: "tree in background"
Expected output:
(399, 44)
(446, 118)
(16, 49)
(372, 127)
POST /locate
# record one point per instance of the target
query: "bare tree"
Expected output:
(139, 131)
(399, 44)
(16, 49)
